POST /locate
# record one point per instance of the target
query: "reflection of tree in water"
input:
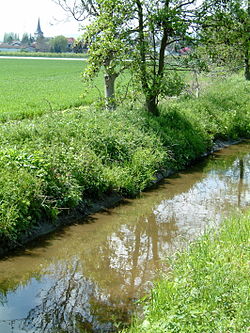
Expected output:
(2, 298)
(71, 302)
(65, 304)
(87, 291)
(207, 201)
(241, 178)
(131, 257)
(239, 174)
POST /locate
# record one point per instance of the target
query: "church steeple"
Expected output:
(38, 33)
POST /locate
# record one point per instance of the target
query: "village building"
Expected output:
(38, 33)
(37, 43)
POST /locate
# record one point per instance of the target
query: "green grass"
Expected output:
(56, 161)
(208, 288)
(32, 87)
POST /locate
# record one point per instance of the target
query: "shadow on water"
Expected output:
(88, 277)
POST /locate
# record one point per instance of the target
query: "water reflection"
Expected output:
(86, 277)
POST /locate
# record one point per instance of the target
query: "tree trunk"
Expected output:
(247, 46)
(247, 65)
(196, 84)
(109, 80)
(151, 105)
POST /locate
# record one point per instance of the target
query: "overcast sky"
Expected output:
(22, 15)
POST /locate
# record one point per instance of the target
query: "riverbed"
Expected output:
(88, 277)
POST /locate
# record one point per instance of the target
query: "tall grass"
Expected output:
(63, 159)
(208, 288)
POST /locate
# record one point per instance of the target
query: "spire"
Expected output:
(38, 32)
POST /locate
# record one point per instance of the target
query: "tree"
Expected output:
(159, 25)
(107, 37)
(31, 39)
(226, 28)
(58, 44)
(110, 48)
(9, 37)
(25, 39)
(80, 9)
(136, 34)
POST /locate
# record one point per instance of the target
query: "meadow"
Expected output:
(32, 87)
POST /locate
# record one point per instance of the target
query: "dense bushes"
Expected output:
(54, 162)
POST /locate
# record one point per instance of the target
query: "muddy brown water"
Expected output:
(88, 277)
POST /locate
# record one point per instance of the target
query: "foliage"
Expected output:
(9, 37)
(109, 44)
(65, 158)
(225, 32)
(136, 35)
(56, 161)
(207, 289)
(58, 44)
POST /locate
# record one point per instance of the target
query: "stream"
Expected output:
(89, 276)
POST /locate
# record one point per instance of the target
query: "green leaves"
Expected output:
(225, 33)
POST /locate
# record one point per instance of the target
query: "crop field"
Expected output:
(33, 87)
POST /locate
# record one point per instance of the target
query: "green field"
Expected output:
(33, 87)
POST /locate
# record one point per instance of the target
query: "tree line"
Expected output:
(56, 44)
(10, 37)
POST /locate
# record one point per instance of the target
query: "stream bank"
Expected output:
(106, 201)
(53, 166)
(88, 277)
(208, 287)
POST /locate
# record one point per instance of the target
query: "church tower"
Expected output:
(38, 33)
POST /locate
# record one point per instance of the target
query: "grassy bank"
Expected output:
(53, 163)
(208, 288)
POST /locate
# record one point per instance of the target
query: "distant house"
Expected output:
(5, 47)
(16, 47)
(184, 50)
(16, 43)
(28, 48)
(70, 41)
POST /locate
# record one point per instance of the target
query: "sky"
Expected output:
(21, 16)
